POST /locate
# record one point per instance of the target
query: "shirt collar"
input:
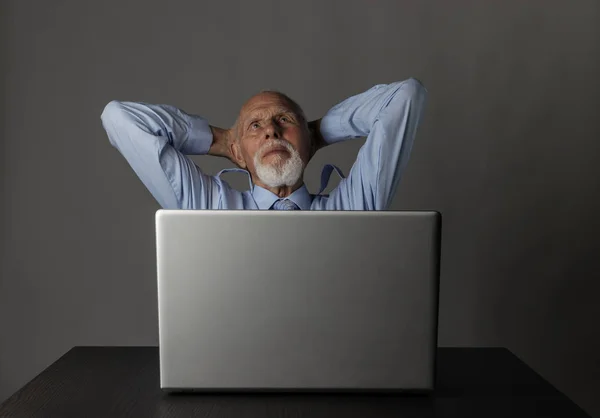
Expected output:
(265, 198)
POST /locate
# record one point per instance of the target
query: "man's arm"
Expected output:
(388, 115)
(155, 139)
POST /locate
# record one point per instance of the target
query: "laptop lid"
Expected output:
(293, 300)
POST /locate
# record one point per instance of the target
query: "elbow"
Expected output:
(408, 91)
(112, 117)
(113, 110)
(414, 87)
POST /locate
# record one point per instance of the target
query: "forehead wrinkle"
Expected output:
(264, 112)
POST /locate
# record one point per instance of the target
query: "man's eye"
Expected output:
(255, 125)
(284, 119)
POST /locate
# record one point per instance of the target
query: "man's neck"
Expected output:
(281, 191)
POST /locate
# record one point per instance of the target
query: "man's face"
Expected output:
(273, 140)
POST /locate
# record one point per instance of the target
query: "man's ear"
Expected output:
(236, 154)
(312, 150)
(315, 138)
(312, 143)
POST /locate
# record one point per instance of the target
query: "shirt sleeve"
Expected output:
(155, 139)
(388, 115)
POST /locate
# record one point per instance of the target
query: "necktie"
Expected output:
(285, 204)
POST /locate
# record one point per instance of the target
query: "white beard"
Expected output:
(282, 170)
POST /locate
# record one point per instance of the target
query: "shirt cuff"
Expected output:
(200, 136)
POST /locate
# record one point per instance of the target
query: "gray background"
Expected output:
(508, 151)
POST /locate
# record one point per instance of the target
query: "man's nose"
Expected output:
(273, 131)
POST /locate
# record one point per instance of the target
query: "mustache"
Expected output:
(274, 145)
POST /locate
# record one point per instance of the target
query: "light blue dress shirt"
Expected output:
(156, 139)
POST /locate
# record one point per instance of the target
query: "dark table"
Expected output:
(124, 382)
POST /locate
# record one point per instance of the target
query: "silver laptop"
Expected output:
(297, 300)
